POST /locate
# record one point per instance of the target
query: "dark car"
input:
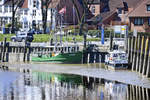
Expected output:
(22, 36)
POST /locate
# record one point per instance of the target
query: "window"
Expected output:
(25, 12)
(119, 10)
(21, 12)
(10, 9)
(0, 8)
(34, 3)
(148, 7)
(25, 24)
(138, 21)
(149, 21)
(93, 9)
(34, 12)
(6, 9)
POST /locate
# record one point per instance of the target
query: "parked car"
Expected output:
(22, 36)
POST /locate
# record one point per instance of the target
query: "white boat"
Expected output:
(116, 59)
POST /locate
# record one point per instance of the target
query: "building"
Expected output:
(28, 14)
(113, 12)
(5, 14)
(140, 17)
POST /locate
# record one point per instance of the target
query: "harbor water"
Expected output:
(32, 82)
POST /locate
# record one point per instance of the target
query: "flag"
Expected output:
(63, 10)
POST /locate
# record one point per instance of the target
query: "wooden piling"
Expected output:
(145, 57)
(4, 50)
(142, 55)
(137, 93)
(132, 49)
(143, 93)
(140, 93)
(134, 54)
(138, 53)
(129, 50)
(133, 92)
(148, 66)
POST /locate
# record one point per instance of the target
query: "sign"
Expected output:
(120, 29)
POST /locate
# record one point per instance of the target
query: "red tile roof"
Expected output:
(141, 10)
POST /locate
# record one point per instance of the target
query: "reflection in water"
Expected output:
(31, 85)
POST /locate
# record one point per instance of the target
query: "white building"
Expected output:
(27, 14)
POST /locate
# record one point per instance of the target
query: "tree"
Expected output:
(86, 4)
(44, 7)
(15, 5)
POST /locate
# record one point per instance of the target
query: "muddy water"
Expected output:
(37, 85)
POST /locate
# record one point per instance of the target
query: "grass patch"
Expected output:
(47, 37)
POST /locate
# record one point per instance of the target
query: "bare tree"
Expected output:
(86, 4)
(15, 5)
(44, 7)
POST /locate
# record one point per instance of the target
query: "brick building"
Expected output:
(140, 17)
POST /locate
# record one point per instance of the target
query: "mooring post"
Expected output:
(132, 49)
(1, 52)
(133, 92)
(134, 54)
(4, 49)
(143, 93)
(148, 66)
(142, 55)
(138, 53)
(25, 51)
(146, 56)
(137, 93)
(140, 93)
(129, 50)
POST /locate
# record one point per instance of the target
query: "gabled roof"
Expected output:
(132, 3)
(141, 10)
(113, 5)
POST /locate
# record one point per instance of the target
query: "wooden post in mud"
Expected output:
(146, 56)
(142, 55)
(132, 49)
(129, 50)
(137, 93)
(133, 92)
(143, 93)
(25, 51)
(134, 54)
(140, 94)
(148, 66)
(4, 50)
(138, 53)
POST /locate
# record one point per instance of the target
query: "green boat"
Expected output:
(67, 58)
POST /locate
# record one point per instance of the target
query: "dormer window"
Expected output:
(148, 7)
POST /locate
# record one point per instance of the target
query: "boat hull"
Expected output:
(117, 66)
(75, 57)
